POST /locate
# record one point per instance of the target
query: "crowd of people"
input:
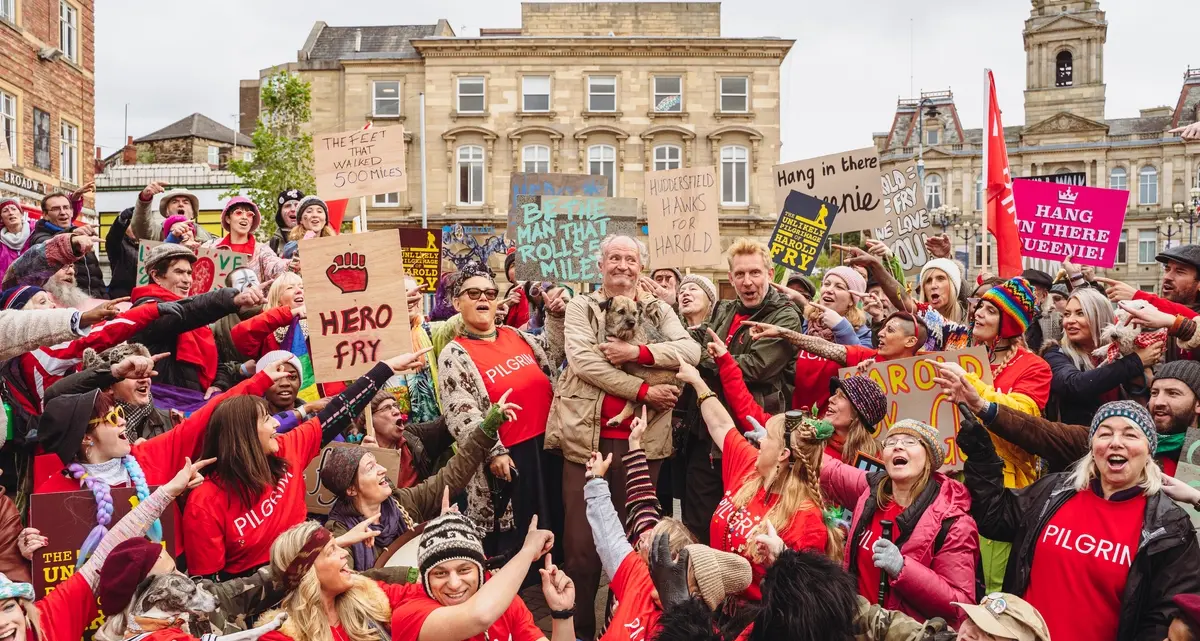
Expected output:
(700, 457)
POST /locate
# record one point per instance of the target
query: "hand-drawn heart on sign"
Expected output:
(203, 273)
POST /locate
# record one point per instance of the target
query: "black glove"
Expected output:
(125, 216)
(670, 577)
(170, 308)
(973, 439)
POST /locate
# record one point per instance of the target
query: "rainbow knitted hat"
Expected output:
(1014, 298)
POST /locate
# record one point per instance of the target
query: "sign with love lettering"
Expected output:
(361, 162)
(558, 237)
(849, 181)
(681, 212)
(357, 315)
(906, 221)
(801, 231)
(1057, 221)
(210, 271)
(908, 385)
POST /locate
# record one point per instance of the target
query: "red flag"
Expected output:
(1001, 208)
(337, 211)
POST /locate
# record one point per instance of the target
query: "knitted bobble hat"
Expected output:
(112, 355)
(1015, 300)
(705, 285)
(927, 434)
(718, 574)
(450, 537)
(1135, 414)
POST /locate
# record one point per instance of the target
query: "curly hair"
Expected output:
(467, 272)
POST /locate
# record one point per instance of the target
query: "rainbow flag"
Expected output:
(296, 343)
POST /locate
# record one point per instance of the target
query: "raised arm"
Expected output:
(716, 417)
(811, 344)
(611, 544)
(249, 335)
(895, 292)
(424, 500)
(25, 331)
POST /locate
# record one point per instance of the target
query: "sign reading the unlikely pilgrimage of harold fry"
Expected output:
(1055, 221)
(849, 180)
(911, 393)
(906, 222)
(209, 272)
(319, 499)
(522, 184)
(801, 232)
(558, 237)
(362, 162)
(423, 256)
(357, 316)
(681, 210)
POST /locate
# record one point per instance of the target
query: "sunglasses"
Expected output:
(113, 417)
(474, 293)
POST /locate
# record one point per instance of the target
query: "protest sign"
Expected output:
(318, 499)
(1056, 221)
(1077, 178)
(1189, 474)
(906, 222)
(362, 162)
(911, 393)
(558, 237)
(681, 209)
(209, 272)
(521, 184)
(849, 181)
(422, 256)
(355, 295)
(801, 232)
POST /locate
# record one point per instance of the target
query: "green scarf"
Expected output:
(1170, 443)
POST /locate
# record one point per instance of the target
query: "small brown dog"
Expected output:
(623, 320)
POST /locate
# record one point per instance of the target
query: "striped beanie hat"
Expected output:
(1130, 411)
(17, 297)
(864, 394)
(1015, 300)
(449, 537)
(929, 438)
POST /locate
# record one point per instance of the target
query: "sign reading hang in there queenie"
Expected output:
(558, 237)
(528, 184)
(681, 210)
(209, 271)
(362, 162)
(422, 256)
(357, 315)
(911, 393)
(801, 232)
(849, 180)
(319, 499)
(1055, 221)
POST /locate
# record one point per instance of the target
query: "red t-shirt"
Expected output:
(1083, 556)
(508, 363)
(516, 624)
(407, 476)
(1025, 373)
(241, 248)
(635, 617)
(813, 374)
(221, 534)
(67, 611)
(868, 574)
(397, 595)
(732, 528)
(734, 324)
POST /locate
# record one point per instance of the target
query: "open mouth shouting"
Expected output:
(899, 461)
(1116, 462)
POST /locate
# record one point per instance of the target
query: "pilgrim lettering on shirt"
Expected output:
(508, 363)
(257, 515)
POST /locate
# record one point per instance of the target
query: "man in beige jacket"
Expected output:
(594, 388)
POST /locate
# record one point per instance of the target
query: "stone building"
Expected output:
(47, 97)
(613, 88)
(1065, 134)
(196, 139)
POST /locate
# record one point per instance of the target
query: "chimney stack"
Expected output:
(129, 153)
(357, 40)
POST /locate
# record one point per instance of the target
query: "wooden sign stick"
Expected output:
(370, 425)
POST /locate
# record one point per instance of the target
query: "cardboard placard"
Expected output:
(66, 518)
(522, 184)
(1055, 221)
(361, 162)
(558, 237)
(849, 180)
(868, 463)
(911, 393)
(801, 231)
(906, 222)
(318, 499)
(681, 211)
(209, 271)
(357, 316)
(1189, 474)
(422, 256)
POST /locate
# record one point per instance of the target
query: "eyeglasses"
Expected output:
(113, 417)
(900, 441)
(474, 293)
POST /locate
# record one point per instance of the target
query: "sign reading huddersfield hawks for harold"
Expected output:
(357, 314)
(801, 231)
(681, 212)
(558, 237)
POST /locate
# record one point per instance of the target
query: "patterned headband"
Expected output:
(468, 272)
(307, 557)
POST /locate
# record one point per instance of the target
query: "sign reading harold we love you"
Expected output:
(906, 221)
(849, 180)
(209, 272)
(362, 162)
(1056, 221)
(801, 232)
(357, 311)
(558, 237)
(681, 212)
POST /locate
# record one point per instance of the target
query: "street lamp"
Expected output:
(966, 231)
(932, 113)
(945, 217)
(1169, 228)
(1189, 213)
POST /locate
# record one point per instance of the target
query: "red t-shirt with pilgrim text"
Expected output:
(508, 363)
(868, 574)
(223, 535)
(67, 611)
(635, 616)
(1083, 556)
(733, 527)
(516, 624)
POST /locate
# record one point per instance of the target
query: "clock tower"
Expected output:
(1064, 60)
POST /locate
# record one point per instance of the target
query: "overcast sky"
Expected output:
(840, 82)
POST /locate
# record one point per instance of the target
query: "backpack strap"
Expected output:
(943, 532)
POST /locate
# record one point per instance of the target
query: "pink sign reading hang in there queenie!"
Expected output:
(1056, 221)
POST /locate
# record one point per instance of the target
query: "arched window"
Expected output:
(1118, 178)
(602, 161)
(1064, 75)
(667, 157)
(933, 191)
(1148, 186)
(470, 175)
(536, 159)
(735, 174)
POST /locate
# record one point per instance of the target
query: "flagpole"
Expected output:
(987, 134)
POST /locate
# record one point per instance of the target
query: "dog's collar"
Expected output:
(153, 624)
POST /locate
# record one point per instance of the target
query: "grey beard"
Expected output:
(66, 295)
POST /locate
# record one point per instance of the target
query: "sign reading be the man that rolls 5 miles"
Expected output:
(363, 162)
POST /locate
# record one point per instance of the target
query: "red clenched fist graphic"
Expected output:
(203, 273)
(348, 272)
